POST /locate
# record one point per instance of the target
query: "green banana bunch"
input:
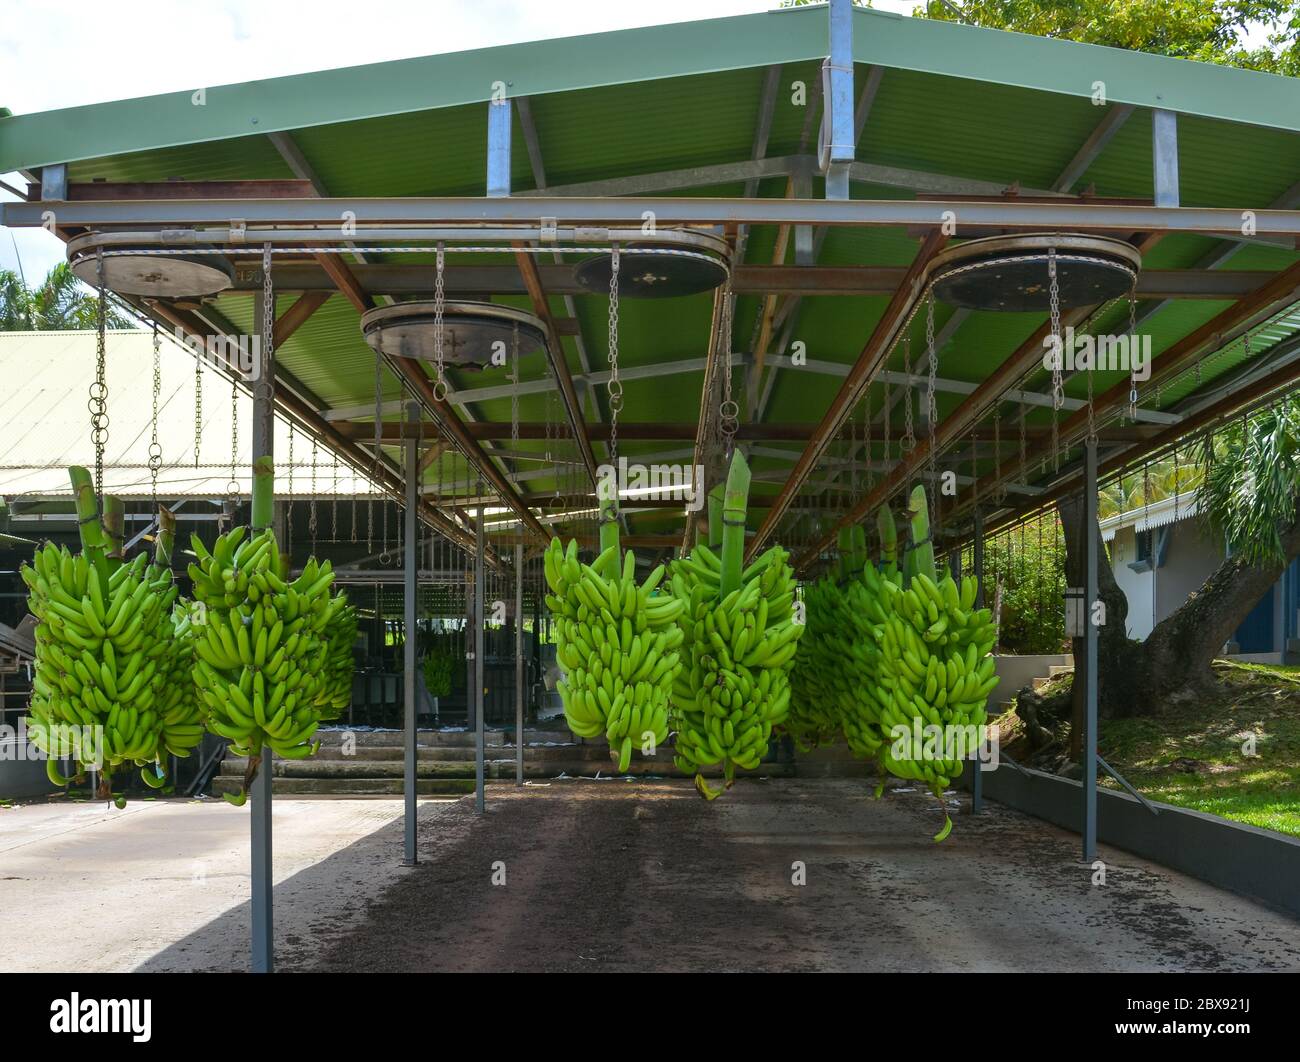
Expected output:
(341, 635)
(618, 645)
(102, 645)
(736, 687)
(180, 707)
(741, 639)
(936, 668)
(261, 652)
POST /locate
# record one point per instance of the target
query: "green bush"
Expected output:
(1029, 565)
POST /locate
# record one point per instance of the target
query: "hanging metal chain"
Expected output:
(728, 410)
(267, 368)
(1177, 477)
(1092, 411)
(232, 486)
(514, 390)
(614, 387)
(889, 430)
(155, 447)
(932, 410)
(908, 443)
(198, 405)
(440, 388)
(1000, 490)
(1132, 333)
(311, 507)
(334, 502)
(1024, 453)
(98, 403)
(866, 438)
(288, 509)
(1058, 379)
(378, 443)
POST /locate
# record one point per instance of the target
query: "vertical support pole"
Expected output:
(1090, 654)
(54, 182)
(410, 584)
(977, 776)
(519, 663)
(262, 515)
(838, 100)
(500, 115)
(478, 659)
(1164, 157)
(804, 255)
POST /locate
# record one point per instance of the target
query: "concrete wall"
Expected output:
(1015, 672)
(1232, 855)
(1192, 558)
(21, 777)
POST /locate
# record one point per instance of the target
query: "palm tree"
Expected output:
(60, 302)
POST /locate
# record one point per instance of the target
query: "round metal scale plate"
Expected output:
(651, 276)
(471, 332)
(1010, 273)
(158, 275)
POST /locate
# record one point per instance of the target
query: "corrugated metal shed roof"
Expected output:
(46, 424)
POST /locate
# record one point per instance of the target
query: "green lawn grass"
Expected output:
(1199, 755)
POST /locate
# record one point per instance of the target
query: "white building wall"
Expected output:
(1192, 558)
(1137, 586)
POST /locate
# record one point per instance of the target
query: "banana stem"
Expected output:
(263, 510)
(922, 548)
(888, 539)
(93, 542)
(715, 516)
(115, 529)
(735, 504)
(166, 537)
(843, 542)
(607, 495)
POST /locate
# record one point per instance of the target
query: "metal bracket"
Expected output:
(550, 230)
(1124, 782)
(238, 230)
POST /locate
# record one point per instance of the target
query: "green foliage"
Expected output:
(1252, 482)
(1028, 565)
(61, 302)
(442, 651)
(1211, 31)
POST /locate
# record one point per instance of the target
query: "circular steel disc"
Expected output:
(471, 332)
(1011, 272)
(158, 275)
(651, 276)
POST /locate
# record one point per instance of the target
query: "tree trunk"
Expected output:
(1134, 678)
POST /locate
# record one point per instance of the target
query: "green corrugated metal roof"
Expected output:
(953, 100)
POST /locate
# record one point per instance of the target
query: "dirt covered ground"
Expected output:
(627, 876)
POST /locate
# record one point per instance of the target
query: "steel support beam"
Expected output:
(1164, 157)
(451, 425)
(323, 214)
(977, 775)
(410, 573)
(1096, 143)
(869, 362)
(477, 693)
(1090, 647)
(519, 663)
(500, 125)
(838, 100)
(555, 356)
(260, 864)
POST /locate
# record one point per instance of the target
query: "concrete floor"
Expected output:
(610, 875)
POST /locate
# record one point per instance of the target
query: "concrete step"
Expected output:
(441, 738)
(374, 754)
(233, 767)
(1059, 669)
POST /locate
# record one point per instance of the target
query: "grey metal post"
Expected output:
(1090, 654)
(977, 776)
(409, 663)
(260, 868)
(478, 659)
(838, 106)
(519, 663)
(500, 115)
(1164, 157)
